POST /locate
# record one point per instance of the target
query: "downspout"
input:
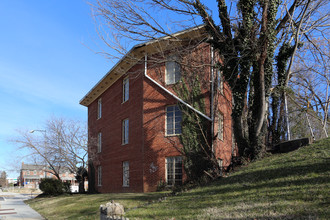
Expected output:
(142, 124)
(171, 94)
(212, 99)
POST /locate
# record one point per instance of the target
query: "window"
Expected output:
(125, 89)
(99, 108)
(99, 176)
(125, 131)
(173, 120)
(219, 81)
(220, 126)
(174, 171)
(99, 142)
(172, 70)
(125, 173)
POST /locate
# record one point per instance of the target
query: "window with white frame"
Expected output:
(220, 126)
(173, 120)
(219, 81)
(174, 171)
(125, 131)
(172, 70)
(99, 108)
(126, 173)
(99, 142)
(125, 89)
(99, 175)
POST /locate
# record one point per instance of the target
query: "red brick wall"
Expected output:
(148, 145)
(110, 124)
(156, 145)
(223, 148)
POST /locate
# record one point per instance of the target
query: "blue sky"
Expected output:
(46, 66)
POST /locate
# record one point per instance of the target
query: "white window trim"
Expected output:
(220, 126)
(99, 142)
(169, 135)
(219, 75)
(166, 169)
(125, 177)
(125, 82)
(99, 108)
(124, 139)
(172, 58)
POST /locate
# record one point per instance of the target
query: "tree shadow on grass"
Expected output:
(270, 185)
(268, 175)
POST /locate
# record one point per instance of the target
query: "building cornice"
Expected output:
(135, 55)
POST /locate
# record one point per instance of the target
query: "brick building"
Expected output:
(31, 175)
(134, 121)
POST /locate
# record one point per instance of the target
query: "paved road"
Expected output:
(12, 206)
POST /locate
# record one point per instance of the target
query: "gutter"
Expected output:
(170, 93)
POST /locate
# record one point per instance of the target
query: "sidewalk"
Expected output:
(12, 206)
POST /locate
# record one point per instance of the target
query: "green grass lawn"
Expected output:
(283, 186)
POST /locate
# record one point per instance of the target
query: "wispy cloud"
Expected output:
(23, 84)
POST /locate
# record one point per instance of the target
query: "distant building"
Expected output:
(31, 175)
(12, 181)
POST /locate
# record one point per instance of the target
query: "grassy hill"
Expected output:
(283, 186)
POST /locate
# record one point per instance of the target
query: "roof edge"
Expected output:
(85, 101)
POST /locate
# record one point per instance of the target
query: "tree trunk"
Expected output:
(81, 185)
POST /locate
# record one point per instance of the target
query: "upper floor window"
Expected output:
(219, 81)
(99, 108)
(125, 131)
(125, 89)
(172, 70)
(220, 126)
(125, 173)
(173, 120)
(99, 142)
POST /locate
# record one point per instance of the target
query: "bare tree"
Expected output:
(40, 151)
(3, 178)
(246, 36)
(310, 82)
(62, 146)
(307, 24)
(70, 139)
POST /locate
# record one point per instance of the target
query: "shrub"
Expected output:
(51, 186)
(66, 187)
(161, 185)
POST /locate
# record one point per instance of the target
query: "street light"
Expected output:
(32, 131)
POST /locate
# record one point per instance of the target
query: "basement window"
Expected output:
(99, 176)
(174, 171)
(125, 174)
